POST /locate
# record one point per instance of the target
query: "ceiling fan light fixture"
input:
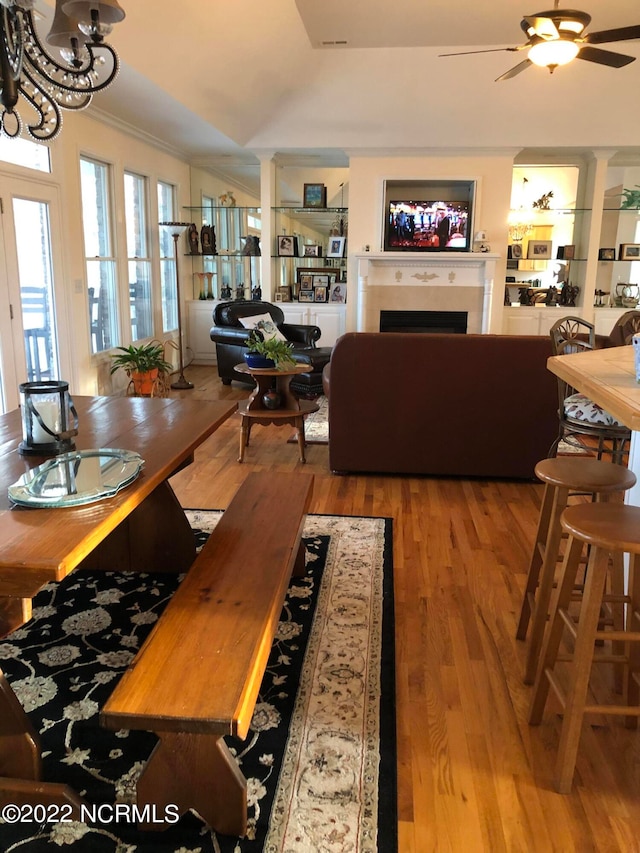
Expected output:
(552, 53)
(572, 26)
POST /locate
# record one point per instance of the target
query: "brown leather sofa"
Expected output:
(439, 404)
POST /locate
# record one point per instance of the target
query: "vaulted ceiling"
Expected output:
(225, 81)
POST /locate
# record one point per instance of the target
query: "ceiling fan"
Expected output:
(556, 36)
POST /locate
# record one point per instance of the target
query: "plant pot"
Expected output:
(254, 359)
(143, 383)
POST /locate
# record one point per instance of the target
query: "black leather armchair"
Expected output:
(229, 336)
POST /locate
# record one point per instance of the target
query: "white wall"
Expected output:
(493, 176)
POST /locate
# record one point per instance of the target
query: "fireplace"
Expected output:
(445, 283)
(450, 322)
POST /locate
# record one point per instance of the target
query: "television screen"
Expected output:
(428, 226)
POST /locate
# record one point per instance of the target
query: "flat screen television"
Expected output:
(428, 226)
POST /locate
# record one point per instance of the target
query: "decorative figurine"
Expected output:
(192, 235)
(552, 296)
(240, 291)
(225, 292)
(206, 239)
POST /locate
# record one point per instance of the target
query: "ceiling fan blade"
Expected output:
(620, 34)
(488, 50)
(521, 66)
(604, 57)
(544, 27)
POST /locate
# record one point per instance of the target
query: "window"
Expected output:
(166, 206)
(24, 152)
(101, 265)
(138, 261)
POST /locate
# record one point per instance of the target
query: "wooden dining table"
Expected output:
(141, 528)
(607, 376)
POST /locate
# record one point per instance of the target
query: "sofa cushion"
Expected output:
(579, 408)
(264, 324)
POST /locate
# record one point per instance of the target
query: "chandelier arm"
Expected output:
(10, 58)
(62, 76)
(49, 117)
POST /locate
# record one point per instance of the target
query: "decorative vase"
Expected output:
(143, 382)
(271, 399)
(254, 359)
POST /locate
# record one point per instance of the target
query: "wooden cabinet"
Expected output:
(331, 319)
(534, 321)
(200, 347)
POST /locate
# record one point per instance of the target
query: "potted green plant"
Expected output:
(267, 352)
(142, 364)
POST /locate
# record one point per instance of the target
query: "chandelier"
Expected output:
(85, 63)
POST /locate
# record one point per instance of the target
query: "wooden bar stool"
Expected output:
(608, 528)
(562, 477)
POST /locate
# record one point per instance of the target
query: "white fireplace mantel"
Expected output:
(385, 278)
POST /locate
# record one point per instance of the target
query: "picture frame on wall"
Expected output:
(335, 249)
(539, 250)
(287, 246)
(314, 195)
(629, 252)
(606, 254)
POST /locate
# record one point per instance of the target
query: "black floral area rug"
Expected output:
(320, 758)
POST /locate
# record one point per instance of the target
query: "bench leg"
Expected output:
(195, 772)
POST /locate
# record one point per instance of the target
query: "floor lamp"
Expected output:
(175, 230)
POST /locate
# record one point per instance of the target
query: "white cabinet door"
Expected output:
(330, 319)
(199, 323)
(295, 315)
(332, 323)
(521, 322)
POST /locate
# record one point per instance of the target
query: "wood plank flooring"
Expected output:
(472, 774)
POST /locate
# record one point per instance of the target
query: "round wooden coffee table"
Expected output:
(290, 410)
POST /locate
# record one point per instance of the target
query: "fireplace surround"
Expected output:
(431, 282)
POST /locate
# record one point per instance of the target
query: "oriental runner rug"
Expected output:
(320, 757)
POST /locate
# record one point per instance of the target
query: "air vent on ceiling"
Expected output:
(335, 43)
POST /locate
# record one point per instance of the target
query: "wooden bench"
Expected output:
(197, 675)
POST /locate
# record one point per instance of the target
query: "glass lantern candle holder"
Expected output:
(49, 418)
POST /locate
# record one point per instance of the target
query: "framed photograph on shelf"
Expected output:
(287, 246)
(312, 251)
(338, 292)
(566, 253)
(320, 293)
(606, 254)
(335, 249)
(283, 294)
(314, 195)
(629, 252)
(516, 251)
(539, 250)
(306, 296)
(305, 280)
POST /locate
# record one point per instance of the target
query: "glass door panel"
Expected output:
(35, 275)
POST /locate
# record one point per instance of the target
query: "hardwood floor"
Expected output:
(472, 774)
